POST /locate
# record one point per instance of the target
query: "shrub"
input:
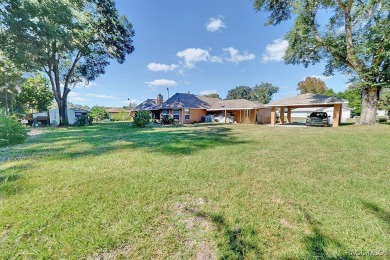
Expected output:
(167, 120)
(84, 120)
(98, 113)
(123, 116)
(11, 132)
(141, 118)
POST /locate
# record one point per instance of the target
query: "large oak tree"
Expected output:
(70, 40)
(352, 36)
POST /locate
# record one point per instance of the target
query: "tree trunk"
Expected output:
(62, 108)
(370, 97)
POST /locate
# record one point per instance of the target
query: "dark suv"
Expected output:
(318, 118)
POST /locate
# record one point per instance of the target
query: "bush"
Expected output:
(84, 120)
(141, 118)
(382, 119)
(121, 117)
(11, 132)
(167, 120)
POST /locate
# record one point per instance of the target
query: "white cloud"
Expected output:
(208, 92)
(74, 97)
(133, 101)
(85, 84)
(321, 77)
(155, 67)
(161, 83)
(100, 96)
(194, 55)
(275, 51)
(215, 24)
(236, 57)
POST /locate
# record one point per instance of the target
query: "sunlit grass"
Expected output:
(229, 191)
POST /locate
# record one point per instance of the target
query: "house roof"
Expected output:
(182, 100)
(235, 104)
(149, 104)
(308, 100)
(117, 110)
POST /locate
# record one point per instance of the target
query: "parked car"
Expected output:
(318, 118)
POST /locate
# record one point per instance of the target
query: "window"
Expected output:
(176, 114)
(187, 114)
(164, 112)
(246, 113)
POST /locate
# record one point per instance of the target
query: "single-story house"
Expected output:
(151, 105)
(300, 114)
(188, 108)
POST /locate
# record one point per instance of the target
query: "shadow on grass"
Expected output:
(317, 242)
(237, 246)
(7, 186)
(103, 138)
(378, 211)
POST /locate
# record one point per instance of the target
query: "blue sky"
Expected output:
(199, 47)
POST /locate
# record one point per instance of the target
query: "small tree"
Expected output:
(35, 93)
(312, 85)
(142, 118)
(98, 113)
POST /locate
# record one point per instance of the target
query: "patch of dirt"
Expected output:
(204, 253)
(189, 214)
(120, 252)
(285, 223)
(35, 131)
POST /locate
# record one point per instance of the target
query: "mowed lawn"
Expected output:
(208, 191)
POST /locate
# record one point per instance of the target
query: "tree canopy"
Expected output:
(260, 92)
(312, 85)
(263, 93)
(70, 40)
(241, 92)
(355, 40)
(35, 93)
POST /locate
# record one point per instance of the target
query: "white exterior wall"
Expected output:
(55, 116)
(304, 112)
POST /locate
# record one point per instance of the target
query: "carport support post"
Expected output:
(289, 115)
(336, 115)
(281, 115)
(273, 115)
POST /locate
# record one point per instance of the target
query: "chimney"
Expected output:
(159, 99)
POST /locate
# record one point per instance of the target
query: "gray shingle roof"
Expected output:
(149, 104)
(236, 104)
(181, 100)
(308, 99)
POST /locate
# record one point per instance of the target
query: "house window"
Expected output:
(246, 113)
(187, 114)
(176, 114)
(164, 112)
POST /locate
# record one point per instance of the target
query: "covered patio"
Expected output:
(241, 111)
(304, 101)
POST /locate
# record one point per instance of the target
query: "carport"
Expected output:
(306, 100)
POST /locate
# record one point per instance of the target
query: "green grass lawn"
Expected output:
(223, 191)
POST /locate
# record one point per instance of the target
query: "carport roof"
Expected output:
(307, 100)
